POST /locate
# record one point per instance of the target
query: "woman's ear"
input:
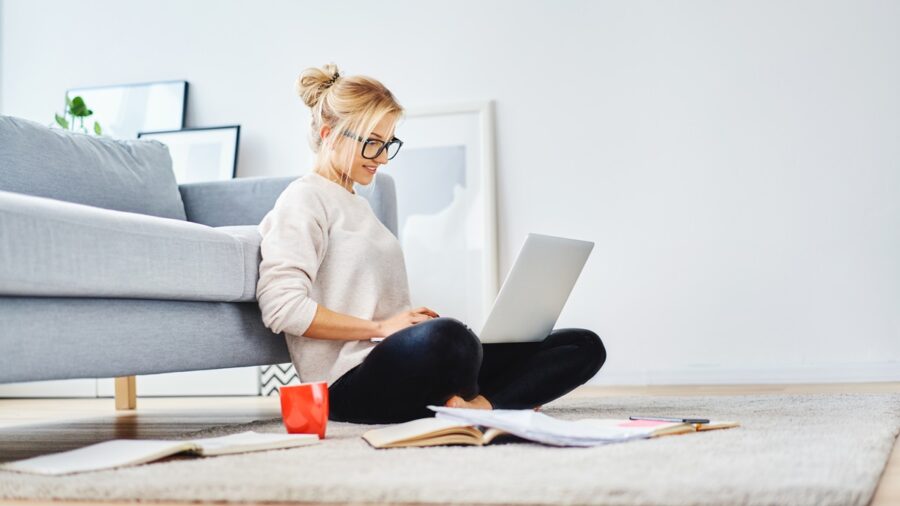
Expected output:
(324, 131)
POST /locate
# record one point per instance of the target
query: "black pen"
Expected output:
(667, 419)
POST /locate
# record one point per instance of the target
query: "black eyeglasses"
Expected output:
(372, 148)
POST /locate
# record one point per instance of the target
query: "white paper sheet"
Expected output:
(541, 428)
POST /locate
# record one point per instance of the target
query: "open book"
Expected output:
(430, 432)
(128, 452)
(483, 426)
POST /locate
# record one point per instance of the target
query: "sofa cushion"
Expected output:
(229, 202)
(127, 175)
(53, 248)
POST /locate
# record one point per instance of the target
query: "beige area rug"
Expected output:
(823, 449)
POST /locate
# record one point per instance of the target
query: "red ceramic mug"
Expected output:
(304, 408)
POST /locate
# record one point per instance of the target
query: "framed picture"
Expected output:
(446, 208)
(201, 154)
(123, 110)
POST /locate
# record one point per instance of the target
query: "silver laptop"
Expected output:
(536, 289)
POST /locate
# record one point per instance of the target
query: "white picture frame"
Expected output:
(201, 154)
(445, 178)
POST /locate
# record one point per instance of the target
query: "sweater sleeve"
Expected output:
(294, 239)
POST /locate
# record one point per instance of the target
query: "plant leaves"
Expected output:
(78, 108)
(97, 128)
(61, 121)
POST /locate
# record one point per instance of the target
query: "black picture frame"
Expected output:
(104, 109)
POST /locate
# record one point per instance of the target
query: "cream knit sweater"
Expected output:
(322, 244)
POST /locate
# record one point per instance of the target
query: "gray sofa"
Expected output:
(109, 268)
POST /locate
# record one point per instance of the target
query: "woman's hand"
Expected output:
(404, 319)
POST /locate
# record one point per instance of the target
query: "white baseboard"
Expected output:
(50, 388)
(212, 382)
(821, 373)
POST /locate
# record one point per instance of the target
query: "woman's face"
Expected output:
(362, 170)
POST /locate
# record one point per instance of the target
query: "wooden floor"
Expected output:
(30, 427)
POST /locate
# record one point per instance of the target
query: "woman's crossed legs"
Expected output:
(429, 362)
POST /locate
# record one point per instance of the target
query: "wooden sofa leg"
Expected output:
(126, 393)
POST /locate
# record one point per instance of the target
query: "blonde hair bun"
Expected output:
(312, 83)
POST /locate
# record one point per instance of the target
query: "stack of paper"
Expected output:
(535, 426)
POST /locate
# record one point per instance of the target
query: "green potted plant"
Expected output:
(76, 108)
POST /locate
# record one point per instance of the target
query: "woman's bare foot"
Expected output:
(479, 402)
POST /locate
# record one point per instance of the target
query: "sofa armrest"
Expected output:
(241, 201)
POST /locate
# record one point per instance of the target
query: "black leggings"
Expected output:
(429, 362)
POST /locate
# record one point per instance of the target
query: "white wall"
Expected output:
(735, 162)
